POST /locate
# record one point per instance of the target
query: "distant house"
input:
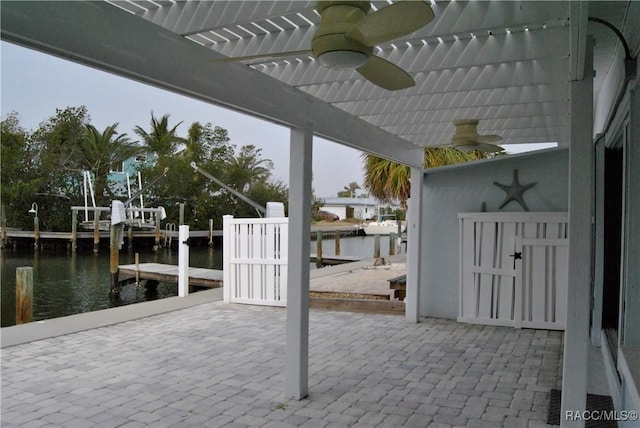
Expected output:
(359, 208)
(129, 168)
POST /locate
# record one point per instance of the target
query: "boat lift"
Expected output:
(259, 208)
(141, 190)
(131, 211)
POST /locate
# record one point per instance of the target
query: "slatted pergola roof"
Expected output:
(505, 63)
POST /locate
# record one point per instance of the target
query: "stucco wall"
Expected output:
(452, 190)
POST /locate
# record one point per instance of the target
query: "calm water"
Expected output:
(67, 284)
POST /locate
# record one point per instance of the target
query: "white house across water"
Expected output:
(360, 208)
(531, 72)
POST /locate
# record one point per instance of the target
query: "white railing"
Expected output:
(255, 260)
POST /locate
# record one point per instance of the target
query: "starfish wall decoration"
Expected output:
(515, 191)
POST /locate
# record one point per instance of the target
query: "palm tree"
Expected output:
(194, 145)
(160, 140)
(349, 191)
(248, 169)
(387, 180)
(99, 152)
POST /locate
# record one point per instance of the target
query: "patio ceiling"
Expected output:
(506, 63)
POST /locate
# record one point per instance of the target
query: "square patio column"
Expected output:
(581, 161)
(414, 240)
(297, 336)
(631, 273)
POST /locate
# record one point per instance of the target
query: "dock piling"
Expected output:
(319, 249)
(36, 232)
(392, 244)
(74, 230)
(137, 261)
(114, 256)
(24, 295)
(376, 247)
(157, 245)
(130, 236)
(96, 232)
(337, 237)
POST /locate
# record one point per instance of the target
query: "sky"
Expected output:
(35, 85)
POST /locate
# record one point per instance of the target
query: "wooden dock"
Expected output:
(334, 260)
(200, 277)
(13, 238)
(67, 236)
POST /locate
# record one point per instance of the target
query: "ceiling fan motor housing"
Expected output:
(466, 132)
(467, 139)
(330, 45)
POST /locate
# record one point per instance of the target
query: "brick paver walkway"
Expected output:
(218, 365)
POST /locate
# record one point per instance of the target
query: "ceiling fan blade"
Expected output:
(470, 146)
(464, 144)
(260, 56)
(387, 75)
(466, 149)
(390, 22)
(488, 148)
(488, 138)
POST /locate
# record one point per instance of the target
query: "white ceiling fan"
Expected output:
(467, 139)
(348, 33)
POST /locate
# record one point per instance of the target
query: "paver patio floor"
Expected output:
(217, 365)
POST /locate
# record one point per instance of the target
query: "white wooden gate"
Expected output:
(255, 260)
(514, 269)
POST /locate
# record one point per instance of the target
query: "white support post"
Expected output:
(86, 196)
(581, 159)
(226, 257)
(129, 195)
(598, 241)
(93, 196)
(414, 238)
(141, 199)
(631, 251)
(183, 261)
(297, 337)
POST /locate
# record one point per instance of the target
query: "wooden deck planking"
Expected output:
(334, 260)
(162, 272)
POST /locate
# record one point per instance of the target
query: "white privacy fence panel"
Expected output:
(514, 269)
(255, 260)
(545, 274)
